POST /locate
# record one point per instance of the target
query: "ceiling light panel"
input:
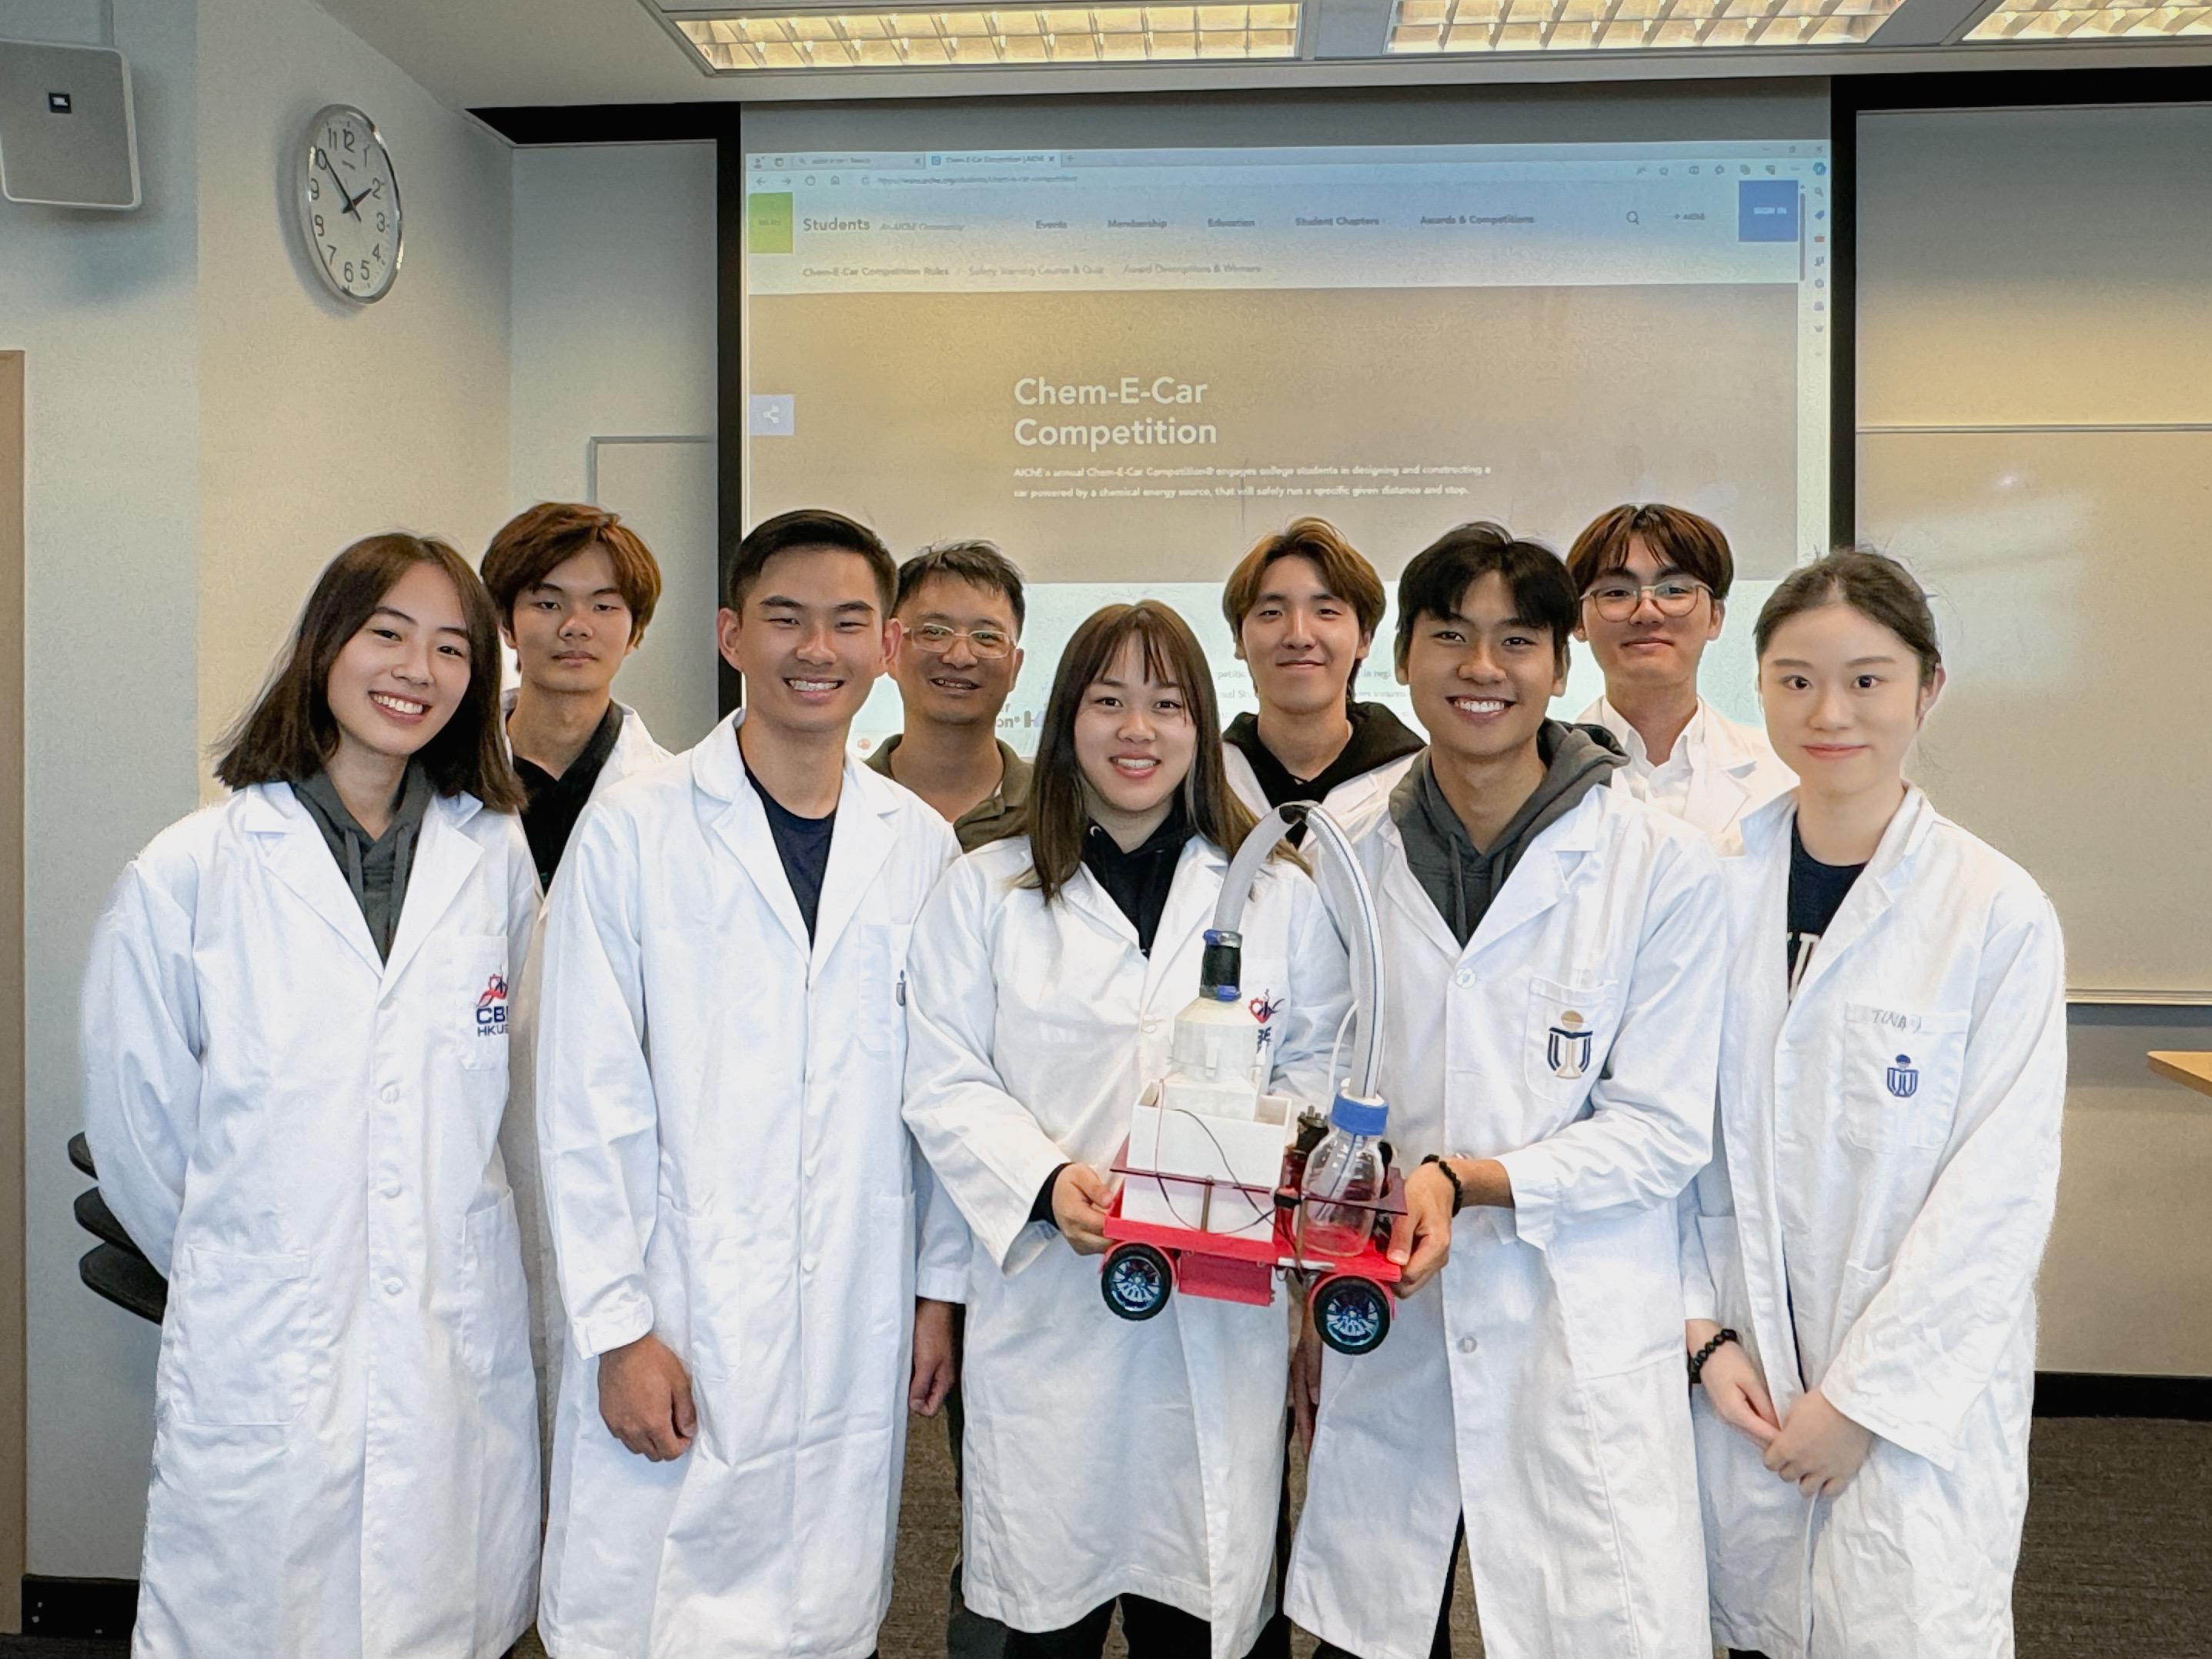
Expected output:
(741, 42)
(2068, 20)
(1461, 26)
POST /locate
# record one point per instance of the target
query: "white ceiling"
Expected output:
(477, 54)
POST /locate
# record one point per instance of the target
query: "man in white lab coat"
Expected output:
(1551, 1036)
(1303, 605)
(1654, 581)
(574, 587)
(741, 1225)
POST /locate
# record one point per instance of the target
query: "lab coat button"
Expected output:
(1464, 977)
(393, 1287)
(390, 1189)
(391, 1092)
(806, 1266)
(1149, 1026)
(1467, 1345)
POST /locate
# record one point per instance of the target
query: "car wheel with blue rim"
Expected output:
(1137, 1281)
(1352, 1315)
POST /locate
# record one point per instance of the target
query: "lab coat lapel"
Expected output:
(1191, 901)
(1083, 891)
(732, 808)
(1720, 773)
(443, 859)
(1868, 901)
(1403, 891)
(859, 844)
(299, 857)
(1541, 880)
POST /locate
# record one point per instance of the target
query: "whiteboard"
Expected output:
(2035, 441)
(2072, 576)
(665, 490)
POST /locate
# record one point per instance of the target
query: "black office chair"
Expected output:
(115, 1268)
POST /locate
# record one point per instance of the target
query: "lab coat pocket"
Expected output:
(1570, 1032)
(478, 1001)
(234, 1346)
(1900, 1083)
(495, 1303)
(1618, 1281)
(882, 1011)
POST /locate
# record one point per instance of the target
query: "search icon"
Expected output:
(1634, 217)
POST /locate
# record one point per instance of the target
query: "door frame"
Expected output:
(14, 1487)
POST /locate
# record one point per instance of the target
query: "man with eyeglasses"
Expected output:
(1654, 582)
(960, 606)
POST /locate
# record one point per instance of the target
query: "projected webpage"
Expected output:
(1124, 366)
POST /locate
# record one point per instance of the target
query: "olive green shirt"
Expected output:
(989, 817)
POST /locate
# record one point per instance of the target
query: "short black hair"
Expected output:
(1440, 573)
(805, 526)
(977, 562)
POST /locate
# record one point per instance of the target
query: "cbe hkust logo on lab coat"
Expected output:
(1567, 1045)
(1264, 1009)
(1904, 1078)
(491, 1007)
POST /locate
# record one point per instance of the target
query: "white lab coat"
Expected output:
(1888, 1162)
(1102, 1457)
(635, 751)
(1537, 1388)
(303, 1138)
(724, 1166)
(1352, 803)
(1732, 768)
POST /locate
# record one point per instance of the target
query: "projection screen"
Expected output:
(1132, 340)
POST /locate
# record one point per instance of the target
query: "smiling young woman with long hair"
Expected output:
(1107, 1460)
(1861, 1260)
(295, 1027)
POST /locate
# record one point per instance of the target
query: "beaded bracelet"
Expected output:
(1697, 1359)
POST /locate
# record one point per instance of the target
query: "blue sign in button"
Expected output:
(1766, 210)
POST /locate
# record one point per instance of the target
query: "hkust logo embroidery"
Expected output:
(1567, 1045)
(1904, 1078)
(491, 1007)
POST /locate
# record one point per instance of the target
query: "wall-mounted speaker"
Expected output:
(66, 135)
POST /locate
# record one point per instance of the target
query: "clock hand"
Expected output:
(324, 157)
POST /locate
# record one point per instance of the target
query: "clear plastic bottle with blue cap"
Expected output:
(1345, 1178)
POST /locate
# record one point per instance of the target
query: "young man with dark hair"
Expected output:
(574, 587)
(1654, 581)
(1551, 1036)
(960, 611)
(1303, 606)
(743, 1227)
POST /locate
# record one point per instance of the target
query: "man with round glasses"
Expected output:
(1654, 582)
(960, 606)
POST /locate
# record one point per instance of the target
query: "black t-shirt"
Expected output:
(1138, 880)
(1378, 737)
(1816, 893)
(554, 804)
(803, 844)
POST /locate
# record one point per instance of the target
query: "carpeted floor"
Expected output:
(2117, 1559)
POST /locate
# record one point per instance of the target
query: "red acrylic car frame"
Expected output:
(1350, 1295)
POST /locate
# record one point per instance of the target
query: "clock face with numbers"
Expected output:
(349, 204)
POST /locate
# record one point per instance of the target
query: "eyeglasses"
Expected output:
(1615, 598)
(987, 643)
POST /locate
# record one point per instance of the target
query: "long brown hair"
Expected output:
(289, 733)
(1055, 818)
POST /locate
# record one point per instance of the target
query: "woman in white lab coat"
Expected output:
(1654, 582)
(1107, 1460)
(1862, 1260)
(296, 1040)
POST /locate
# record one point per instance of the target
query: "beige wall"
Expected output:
(12, 1472)
(2031, 296)
(323, 421)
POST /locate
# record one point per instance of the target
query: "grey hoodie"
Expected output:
(1460, 878)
